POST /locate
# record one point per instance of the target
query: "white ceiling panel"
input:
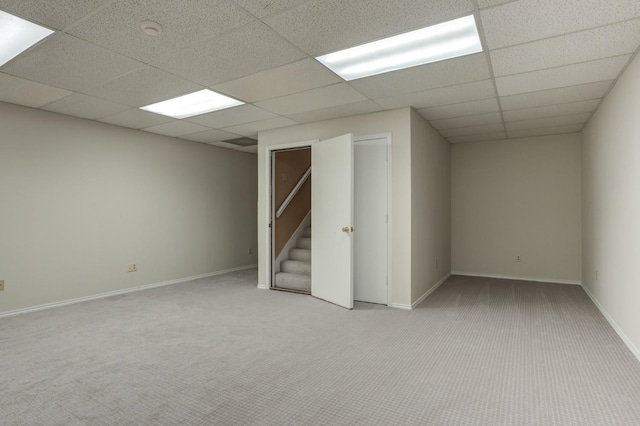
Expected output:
(19, 91)
(252, 129)
(84, 106)
(544, 131)
(142, 87)
(551, 110)
(117, 26)
(176, 128)
(442, 96)
(364, 107)
(285, 80)
(556, 96)
(323, 26)
(585, 72)
(430, 76)
(70, 63)
(136, 119)
(245, 51)
(57, 14)
(324, 97)
(478, 138)
(262, 8)
(210, 136)
(527, 20)
(474, 130)
(460, 110)
(489, 3)
(583, 46)
(470, 120)
(562, 120)
(232, 116)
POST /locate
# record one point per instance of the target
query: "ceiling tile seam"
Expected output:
(546, 118)
(487, 58)
(455, 117)
(450, 105)
(564, 34)
(495, 6)
(561, 87)
(553, 104)
(548, 134)
(612, 85)
(280, 12)
(438, 88)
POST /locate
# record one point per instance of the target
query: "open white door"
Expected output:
(332, 220)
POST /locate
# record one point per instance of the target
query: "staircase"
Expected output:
(295, 272)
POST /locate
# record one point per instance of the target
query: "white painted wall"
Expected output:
(397, 123)
(611, 206)
(518, 197)
(430, 207)
(80, 200)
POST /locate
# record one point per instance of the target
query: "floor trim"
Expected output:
(513, 277)
(118, 292)
(421, 298)
(613, 324)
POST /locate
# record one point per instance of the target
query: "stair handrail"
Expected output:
(293, 192)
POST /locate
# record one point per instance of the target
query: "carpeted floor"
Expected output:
(219, 351)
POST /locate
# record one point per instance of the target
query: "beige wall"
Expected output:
(518, 197)
(430, 207)
(397, 123)
(611, 206)
(81, 200)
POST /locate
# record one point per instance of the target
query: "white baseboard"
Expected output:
(613, 324)
(513, 277)
(118, 292)
(421, 298)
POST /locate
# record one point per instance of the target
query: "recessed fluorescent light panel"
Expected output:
(17, 35)
(193, 104)
(436, 43)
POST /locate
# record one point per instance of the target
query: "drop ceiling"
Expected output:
(544, 69)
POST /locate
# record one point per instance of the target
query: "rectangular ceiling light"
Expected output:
(193, 104)
(17, 35)
(436, 43)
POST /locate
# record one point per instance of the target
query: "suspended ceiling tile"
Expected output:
(551, 110)
(563, 120)
(357, 108)
(285, 80)
(67, 62)
(424, 77)
(19, 91)
(262, 8)
(84, 106)
(527, 20)
(244, 51)
(176, 128)
(323, 97)
(598, 43)
(570, 75)
(544, 131)
(461, 109)
(142, 87)
(474, 130)
(252, 129)
(57, 14)
(117, 26)
(489, 3)
(323, 26)
(470, 120)
(478, 138)
(556, 96)
(136, 119)
(226, 145)
(210, 136)
(442, 96)
(232, 116)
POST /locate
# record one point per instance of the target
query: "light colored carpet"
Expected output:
(219, 351)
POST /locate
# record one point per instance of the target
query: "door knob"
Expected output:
(345, 229)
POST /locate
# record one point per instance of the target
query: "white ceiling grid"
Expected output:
(545, 66)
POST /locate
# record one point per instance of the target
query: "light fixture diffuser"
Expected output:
(193, 104)
(431, 44)
(17, 35)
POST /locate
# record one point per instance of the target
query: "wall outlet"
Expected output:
(1, 285)
(249, 250)
(132, 267)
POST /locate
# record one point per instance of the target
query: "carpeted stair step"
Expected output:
(304, 243)
(293, 281)
(296, 267)
(307, 232)
(303, 255)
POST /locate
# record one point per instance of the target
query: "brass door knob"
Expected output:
(345, 229)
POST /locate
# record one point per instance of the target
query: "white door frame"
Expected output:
(386, 136)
